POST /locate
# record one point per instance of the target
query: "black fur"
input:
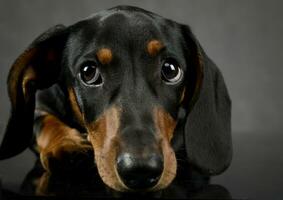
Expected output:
(203, 117)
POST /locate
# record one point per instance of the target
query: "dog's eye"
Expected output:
(90, 74)
(171, 73)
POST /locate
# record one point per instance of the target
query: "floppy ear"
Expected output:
(208, 123)
(37, 67)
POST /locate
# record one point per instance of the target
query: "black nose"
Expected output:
(139, 173)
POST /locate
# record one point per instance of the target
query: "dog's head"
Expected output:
(139, 84)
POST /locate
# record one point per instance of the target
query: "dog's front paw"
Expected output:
(68, 155)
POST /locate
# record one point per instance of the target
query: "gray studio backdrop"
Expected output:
(244, 38)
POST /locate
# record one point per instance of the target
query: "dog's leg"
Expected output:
(62, 148)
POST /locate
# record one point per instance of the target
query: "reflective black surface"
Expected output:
(89, 185)
(256, 173)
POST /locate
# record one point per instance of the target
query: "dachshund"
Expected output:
(129, 90)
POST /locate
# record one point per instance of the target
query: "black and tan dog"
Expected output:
(127, 85)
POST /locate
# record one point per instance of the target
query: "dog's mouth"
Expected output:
(139, 166)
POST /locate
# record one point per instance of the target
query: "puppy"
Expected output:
(127, 85)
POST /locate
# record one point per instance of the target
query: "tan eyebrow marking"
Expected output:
(104, 56)
(153, 47)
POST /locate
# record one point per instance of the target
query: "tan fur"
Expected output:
(103, 134)
(153, 47)
(104, 56)
(56, 139)
(165, 126)
(42, 185)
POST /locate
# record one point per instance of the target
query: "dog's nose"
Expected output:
(139, 173)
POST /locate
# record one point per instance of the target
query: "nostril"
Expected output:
(137, 173)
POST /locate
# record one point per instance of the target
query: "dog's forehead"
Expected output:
(121, 28)
(122, 36)
(125, 29)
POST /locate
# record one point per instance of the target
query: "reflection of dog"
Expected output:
(38, 182)
(139, 85)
